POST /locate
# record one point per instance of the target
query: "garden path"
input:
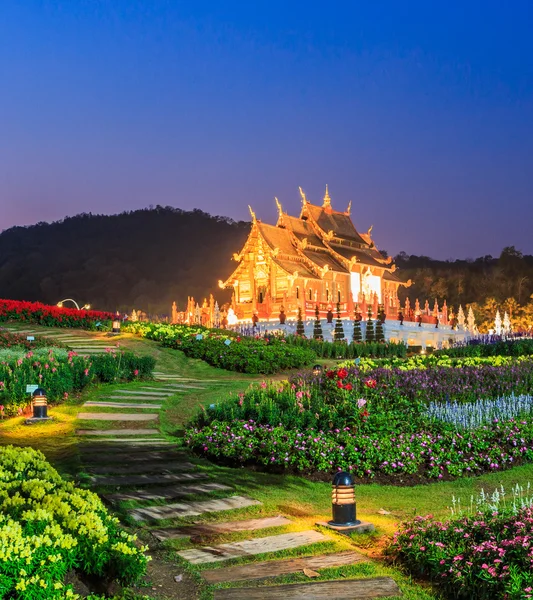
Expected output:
(161, 489)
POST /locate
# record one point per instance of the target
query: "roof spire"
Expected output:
(280, 210)
(302, 194)
(252, 214)
(349, 209)
(327, 199)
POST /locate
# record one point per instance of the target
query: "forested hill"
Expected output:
(142, 259)
(487, 283)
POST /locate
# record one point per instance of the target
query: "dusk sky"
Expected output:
(420, 113)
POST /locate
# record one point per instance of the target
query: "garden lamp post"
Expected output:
(343, 508)
(84, 307)
(40, 407)
(116, 323)
(317, 370)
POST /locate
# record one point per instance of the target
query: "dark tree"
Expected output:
(317, 329)
(339, 329)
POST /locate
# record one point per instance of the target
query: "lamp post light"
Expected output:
(343, 507)
(40, 407)
(317, 370)
(84, 307)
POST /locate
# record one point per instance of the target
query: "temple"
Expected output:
(316, 259)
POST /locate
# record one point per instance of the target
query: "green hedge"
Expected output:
(343, 350)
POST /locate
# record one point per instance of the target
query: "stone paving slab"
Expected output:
(275, 568)
(102, 450)
(118, 416)
(136, 443)
(342, 589)
(275, 543)
(148, 468)
(168, 493)
(134, 480)
(144, 393)
(191, 509)
(137, 398)
(122, 404)
(117, 431)
(210, 529)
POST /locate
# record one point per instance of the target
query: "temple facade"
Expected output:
(316, 259)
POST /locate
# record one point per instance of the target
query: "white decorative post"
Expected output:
(506, 324)
(471, 321)
(498, 323)
(461, 317)
(216, 316)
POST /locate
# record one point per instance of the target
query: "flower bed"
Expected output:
(484, 556)
(227, 350)
(373, 424)
(49, 527)
(53, 316)
(61, 372)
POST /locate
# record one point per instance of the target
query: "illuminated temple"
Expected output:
(316, 259)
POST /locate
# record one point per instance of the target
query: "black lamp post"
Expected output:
(317, 370)
(343, 507)
(40, 407)
(343, 501)
(116, 323)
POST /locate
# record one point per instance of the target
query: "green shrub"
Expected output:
(48, 527)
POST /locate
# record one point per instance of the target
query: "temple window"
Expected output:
(297, 292)
(339, 296)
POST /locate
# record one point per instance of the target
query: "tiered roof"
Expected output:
(320, 239)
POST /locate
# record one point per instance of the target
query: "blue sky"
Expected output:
(420, 114)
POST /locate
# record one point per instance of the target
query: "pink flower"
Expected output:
(86, 372)
(136, 372)
(65, 395)
(263, 384)
(361, 402)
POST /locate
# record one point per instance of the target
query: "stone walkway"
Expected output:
(78, 342)
(167, 487)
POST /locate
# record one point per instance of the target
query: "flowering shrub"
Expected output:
(423, 454)
(227, 350)
(48, 527)
(61, 372)
(52, 316)
(484, 556)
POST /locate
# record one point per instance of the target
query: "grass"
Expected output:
(305, 502)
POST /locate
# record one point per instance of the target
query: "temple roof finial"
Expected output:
(252, 214)
(280, 210)
(349, 209)
(302, 194)
(327, 199)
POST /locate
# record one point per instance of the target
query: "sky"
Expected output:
(420, 113)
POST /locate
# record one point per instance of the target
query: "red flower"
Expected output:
(339, 384)
(348, 387)
(370, 383)
(330, 374)
(364, 414)
(342, 373)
